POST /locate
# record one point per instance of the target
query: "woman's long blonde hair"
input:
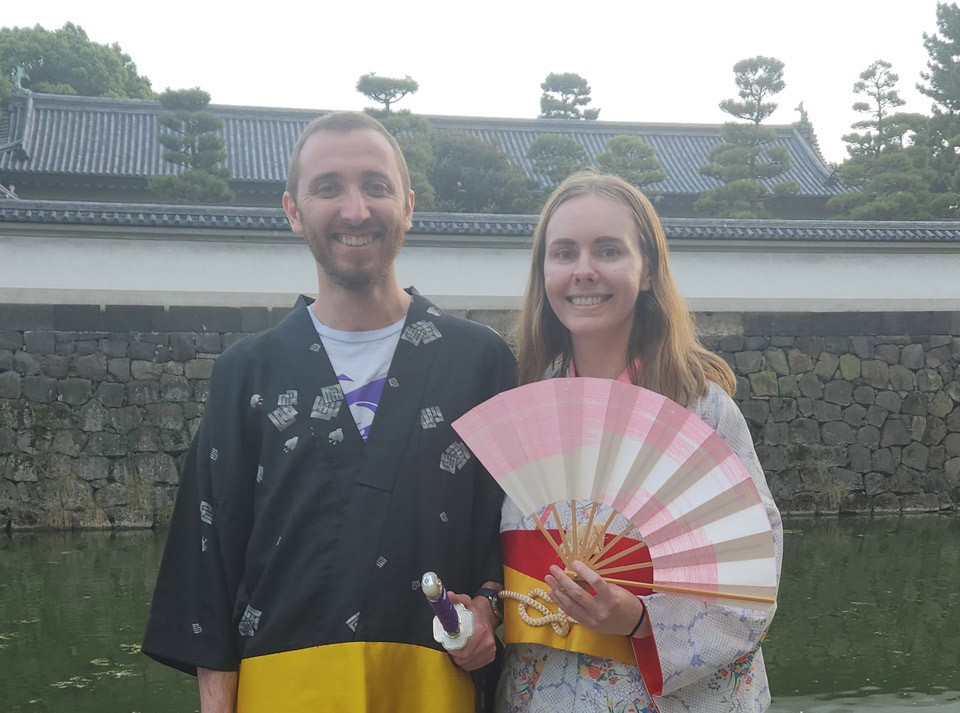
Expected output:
(672, 361)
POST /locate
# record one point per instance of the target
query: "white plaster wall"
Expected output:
(116, 268)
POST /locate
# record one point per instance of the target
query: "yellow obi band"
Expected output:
(354, 677)
(580, 639)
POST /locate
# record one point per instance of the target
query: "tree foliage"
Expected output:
(749, 153)
(412, 132)
(943, 75)
(65, 61)
(556, 156)
(386, 90)
(633, 159)
(473, 176)
(878, 83)
(565, 96)
(193, 142)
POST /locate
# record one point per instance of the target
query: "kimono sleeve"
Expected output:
(192, 622)
(499, 374)
(694, 639)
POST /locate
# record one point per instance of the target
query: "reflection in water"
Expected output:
(867, 621)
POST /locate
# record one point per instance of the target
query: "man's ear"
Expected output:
(408, 209)
(293, 215)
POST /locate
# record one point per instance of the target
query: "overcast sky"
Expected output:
(645, 61)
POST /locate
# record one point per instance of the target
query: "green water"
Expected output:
(869, 619)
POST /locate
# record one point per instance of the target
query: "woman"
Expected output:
(600, 302)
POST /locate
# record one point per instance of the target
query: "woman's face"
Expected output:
(592, 269)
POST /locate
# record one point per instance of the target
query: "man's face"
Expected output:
(350, 207)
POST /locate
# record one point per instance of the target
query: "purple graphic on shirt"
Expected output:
(363, 400)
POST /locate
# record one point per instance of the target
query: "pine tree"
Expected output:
(565, 96)
(634, 160)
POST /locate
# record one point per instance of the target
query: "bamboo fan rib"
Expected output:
(594, 446)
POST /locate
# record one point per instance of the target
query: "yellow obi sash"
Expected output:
(354, 677)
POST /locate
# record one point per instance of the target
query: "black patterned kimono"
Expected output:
(296, 548)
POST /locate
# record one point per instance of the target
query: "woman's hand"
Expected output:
(612, 610)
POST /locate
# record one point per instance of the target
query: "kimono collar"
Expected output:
(624, 376)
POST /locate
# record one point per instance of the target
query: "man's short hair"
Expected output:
(343, 121)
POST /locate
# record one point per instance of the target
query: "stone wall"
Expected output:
(850, 412)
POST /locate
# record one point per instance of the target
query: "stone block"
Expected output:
(875, 373)
(56, 366)
(911, 356)
(119, 369)
(906, 480)
(75, 392)
(875, 483)
(883, 461)
(172, 368)
(140, 393)
(731, 343)
(776, 359)
(895, 433)
(11, 339)
(174, 388)
(915, 404)
(775, 434)
(804, 430)
(743, 389)
(929, 380)
(902, 379)
(849, 367)
(6, 360)
(827, 366)
(110, 394)
(935, 431)
(869, 436)
(105, 444)
(125, 419)
(198, 368)
(953, 391)
(890, 401)
(756, 343)
(114, 347)
(860, 459)
(771, 458)
(799, 362)
(824, 412)
(920, 502)
(157, 468)
(810, 386)
(166, 416)
(853, 414)
(210, 342)
(201, 390)
(92, 468)
(182, 346)
(886, 504)
(889, 353)
(748, 362)
(39, 388)
(174, 441)
(811, 346)
(6, 443)
(69, 443)
(836, 433)
(87, 346)
(92, 417)
(145, 370)
(21, 468)
(26, 363)
(941, 405)
(787, 386)
(864, 395)
(946, 371)
(67, 348)
(838, 392)
(142, 351)
(951, 444)
(91, 366)
(755, 411)
(143, 439)
(805, 406)
(40, 342)
(113, 495)
(782, 409)
(951, 469)
(10, 385)
(915, 456)
(953, 420)
(862, 347)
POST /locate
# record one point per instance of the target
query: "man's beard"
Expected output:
(360, 280)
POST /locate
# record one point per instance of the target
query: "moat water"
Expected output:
(869, 619)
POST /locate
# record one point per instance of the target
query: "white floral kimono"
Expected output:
(709, 654)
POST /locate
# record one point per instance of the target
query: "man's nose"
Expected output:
(353, 208)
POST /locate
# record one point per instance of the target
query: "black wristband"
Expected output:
(643, 615)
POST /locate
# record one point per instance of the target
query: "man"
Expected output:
(326, 479)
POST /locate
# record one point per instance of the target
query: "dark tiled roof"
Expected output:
(503, 226)
(97, 137)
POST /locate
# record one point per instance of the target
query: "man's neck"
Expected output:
(378, 307)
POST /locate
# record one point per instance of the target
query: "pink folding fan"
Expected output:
(585, 446)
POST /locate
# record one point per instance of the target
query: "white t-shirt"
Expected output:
(361, 361)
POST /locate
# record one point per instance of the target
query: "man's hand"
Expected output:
(481, 647)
